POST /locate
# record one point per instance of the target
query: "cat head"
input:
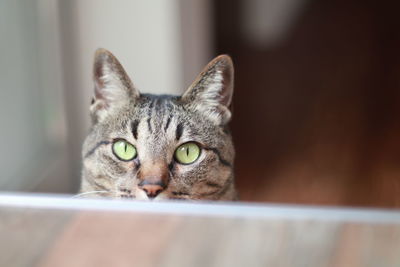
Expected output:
(146, 146)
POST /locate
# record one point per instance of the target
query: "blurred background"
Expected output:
(317, 95)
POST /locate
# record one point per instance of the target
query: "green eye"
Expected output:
(187, 153)
(124, 150)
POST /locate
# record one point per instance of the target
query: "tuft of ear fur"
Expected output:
(112, 87)
(211, 92)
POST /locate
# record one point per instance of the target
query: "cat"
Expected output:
(158, 147)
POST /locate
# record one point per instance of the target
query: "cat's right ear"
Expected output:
(211, 93)
(112, 87)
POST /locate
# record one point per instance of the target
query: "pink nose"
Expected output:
(152, 190)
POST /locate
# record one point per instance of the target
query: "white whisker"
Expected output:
(88, 193)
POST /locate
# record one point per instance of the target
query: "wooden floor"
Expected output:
(43, 231)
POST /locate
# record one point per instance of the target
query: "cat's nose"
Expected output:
(152, 189)
(153, 178)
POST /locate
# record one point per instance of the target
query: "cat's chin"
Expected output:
(161, 197)
(141, 195)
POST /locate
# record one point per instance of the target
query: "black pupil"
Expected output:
(126, 147)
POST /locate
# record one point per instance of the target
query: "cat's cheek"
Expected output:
(178, 169)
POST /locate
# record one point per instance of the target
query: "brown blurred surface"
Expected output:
(316, 118)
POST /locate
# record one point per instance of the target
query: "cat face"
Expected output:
(154, 147)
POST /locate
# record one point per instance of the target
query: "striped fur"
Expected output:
(156, 125)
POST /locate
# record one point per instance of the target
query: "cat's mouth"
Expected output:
(140, 194)
(137, 194)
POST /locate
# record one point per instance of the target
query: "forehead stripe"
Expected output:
(134, 126)
(149, 114)
(168, 122)
(179, 131)
(149, 125)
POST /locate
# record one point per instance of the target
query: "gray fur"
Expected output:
(156, 125)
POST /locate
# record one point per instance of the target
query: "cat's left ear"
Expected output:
(211, 93)
(113, 88)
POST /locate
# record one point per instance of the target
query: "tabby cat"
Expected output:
(155, 147)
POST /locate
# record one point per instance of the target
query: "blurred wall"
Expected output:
(31, 107)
